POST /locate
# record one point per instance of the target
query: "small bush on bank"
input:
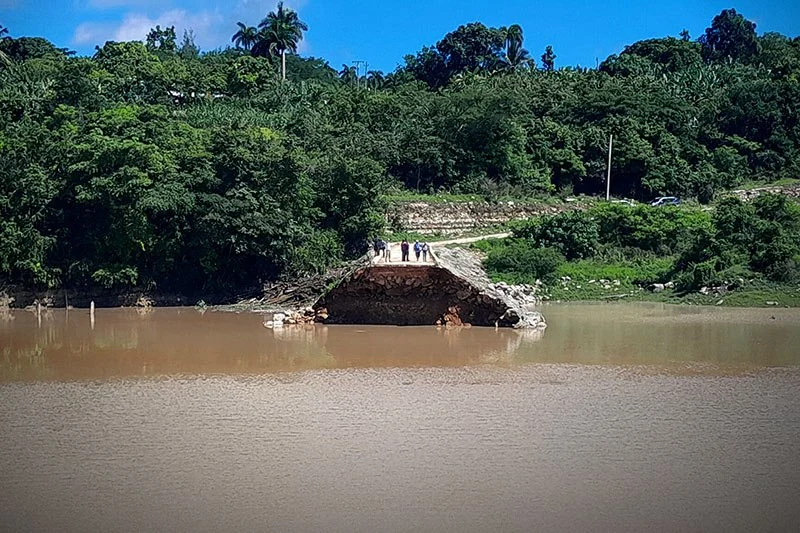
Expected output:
(574, 234)
(697, 276)
(786, 271)
(520, 262)
(662, 230)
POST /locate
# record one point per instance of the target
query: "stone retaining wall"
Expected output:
(792, 191)
(457, 217)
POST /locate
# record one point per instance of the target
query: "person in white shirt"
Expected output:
(387, 253)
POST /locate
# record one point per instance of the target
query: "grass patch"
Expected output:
(754, 294)
(635, 272)
(590, 279)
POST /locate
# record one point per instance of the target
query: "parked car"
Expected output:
(666, 200)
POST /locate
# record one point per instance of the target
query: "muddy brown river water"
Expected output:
(623, 417)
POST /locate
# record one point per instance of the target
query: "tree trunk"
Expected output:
(283, 65)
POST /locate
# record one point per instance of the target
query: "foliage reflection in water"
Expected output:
(62, 345)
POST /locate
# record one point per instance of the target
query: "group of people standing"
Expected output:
(384, 249)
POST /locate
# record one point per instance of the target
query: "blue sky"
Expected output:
(381, 32)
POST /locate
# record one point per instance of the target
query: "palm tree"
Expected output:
(516, 56)
(246, 37)
(348, 75)
(281, 30)
(376, 79)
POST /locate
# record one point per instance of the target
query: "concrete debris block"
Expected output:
(657, 287)
(771, 303)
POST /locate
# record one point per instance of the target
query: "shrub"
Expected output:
(656, 229)
(787, 270)
(575, 234)
(697, 276)
(521, 261)
(705, 194)
(778, 208)
(115, 277)
(774, 246)
(321, 250)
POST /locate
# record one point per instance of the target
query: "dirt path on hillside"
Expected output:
(467, 240)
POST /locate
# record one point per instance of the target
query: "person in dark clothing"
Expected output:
(404, 250)
(417, 249)
(375, 246)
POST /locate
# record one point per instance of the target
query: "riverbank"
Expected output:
(588, 280)
(756, 294)
(741, 253)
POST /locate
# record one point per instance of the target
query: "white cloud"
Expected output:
(253, 11)
(91, 33)
(212, 27)
(135, 26)
(105, 4)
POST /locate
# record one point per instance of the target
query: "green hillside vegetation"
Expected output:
(616, 249)
(151, 164)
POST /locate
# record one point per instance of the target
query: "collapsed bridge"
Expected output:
(451, 289)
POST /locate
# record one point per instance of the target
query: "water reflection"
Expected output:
(124, 343)
(61, 345)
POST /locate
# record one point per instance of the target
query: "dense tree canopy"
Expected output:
(731, 36)
(150, 164)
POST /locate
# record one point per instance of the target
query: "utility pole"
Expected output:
(358, 72)
(608, 177)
